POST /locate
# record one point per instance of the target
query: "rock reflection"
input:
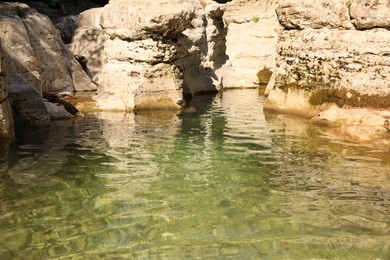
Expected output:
(220, 180)
(336, 191)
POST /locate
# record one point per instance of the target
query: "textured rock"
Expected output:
(6, 119)
(367, 14)
(67, 26)
(34, 49)
(251, 41)
(27, 105)
(362, 125)
(314, 14)
(142, 54)
(324, 57)
(57, 111)
(141, 19)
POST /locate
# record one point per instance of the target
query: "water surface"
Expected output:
(220, 181)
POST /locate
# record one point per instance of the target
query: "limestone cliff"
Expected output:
(251, 41)
(334, 51)
(145, 54)
(332, 54)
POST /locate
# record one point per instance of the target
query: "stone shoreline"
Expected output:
(326, 60)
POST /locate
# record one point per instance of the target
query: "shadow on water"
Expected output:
(220, 180)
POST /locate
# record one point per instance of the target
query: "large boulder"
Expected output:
(144, 54)
(33, 48)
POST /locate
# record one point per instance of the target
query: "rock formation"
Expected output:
(251, 41)
(334, 57)
(36, 61)
(34, 50)
(6, 119)
(144, 54)
(332, 54)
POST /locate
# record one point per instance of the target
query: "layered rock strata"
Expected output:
(334, 57)
(332, 54)
(145, 54)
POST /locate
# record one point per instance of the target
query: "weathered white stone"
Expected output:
(357, 60)
(90, 18)
(368, 14)
(145, 54)
(33, 49)
(293, 101)
(140, 19)
(326, 61)
(251, 40)
(19, 56)
(314, 14)
(147, 87)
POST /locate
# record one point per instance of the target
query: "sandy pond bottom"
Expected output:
(221, 181)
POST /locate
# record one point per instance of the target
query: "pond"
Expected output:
(222, 180)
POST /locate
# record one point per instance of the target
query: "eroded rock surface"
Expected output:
(145, 54)
(318, 52)
(251, 41)
(333, 53)
(332, 60)
(34, 49)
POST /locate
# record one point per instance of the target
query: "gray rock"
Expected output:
(6, 119)
(27, 104)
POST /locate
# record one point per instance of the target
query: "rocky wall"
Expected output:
(332, 52)
(251, 40)
(147, 54)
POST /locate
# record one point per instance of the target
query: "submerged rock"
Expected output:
(359, 124)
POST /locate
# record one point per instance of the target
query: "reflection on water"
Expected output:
(222, 180)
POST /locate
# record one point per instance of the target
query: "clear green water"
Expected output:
(223, 182)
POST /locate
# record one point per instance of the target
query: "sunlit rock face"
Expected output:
(6, 120)
(333, 52)
(145, 54)
(251, 41)
(34, 49)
